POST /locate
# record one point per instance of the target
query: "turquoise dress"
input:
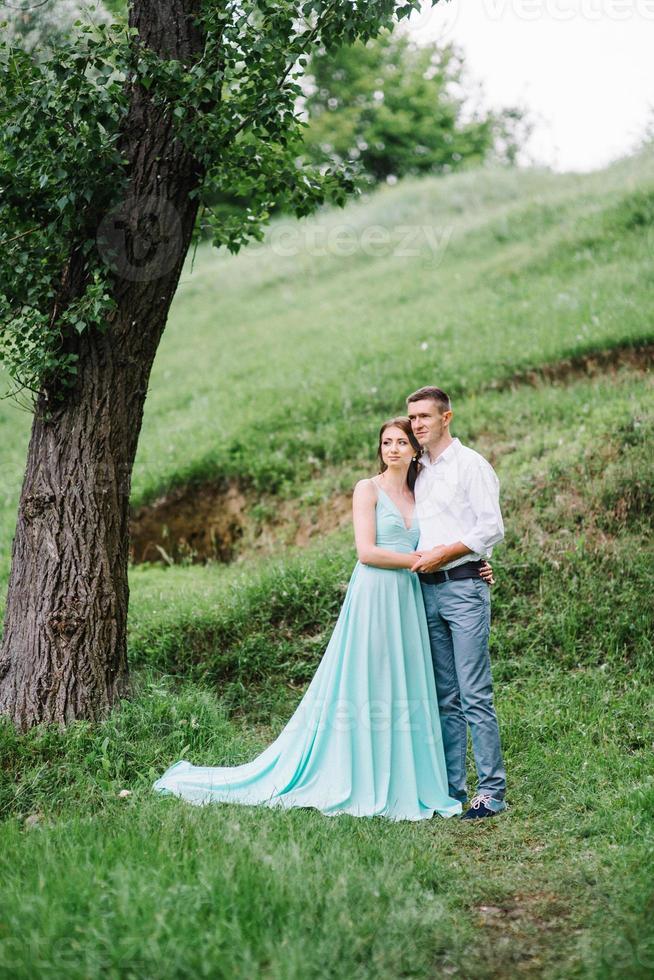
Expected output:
(366, 737)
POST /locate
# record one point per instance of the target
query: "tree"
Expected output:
(108, 149)
(38, 28)
(399, 109)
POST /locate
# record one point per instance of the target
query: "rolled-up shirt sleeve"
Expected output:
(483, 491)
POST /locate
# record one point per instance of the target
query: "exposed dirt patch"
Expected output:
(520, 932)
(639, 357)
(543, 910)
(295, 523)
(192, 523)
(219, 520)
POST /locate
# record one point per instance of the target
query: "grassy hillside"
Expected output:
(275, 365)
(277, 369)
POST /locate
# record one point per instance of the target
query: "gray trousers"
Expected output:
(458, 617)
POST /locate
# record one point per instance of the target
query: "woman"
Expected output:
(366, 737)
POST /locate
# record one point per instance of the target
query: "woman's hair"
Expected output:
(402, 422)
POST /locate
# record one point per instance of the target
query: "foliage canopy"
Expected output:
(63, 165)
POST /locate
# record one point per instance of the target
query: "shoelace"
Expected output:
(482, 799)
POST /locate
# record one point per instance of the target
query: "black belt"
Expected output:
(468, 569)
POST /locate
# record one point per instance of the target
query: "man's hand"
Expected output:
(433, 559)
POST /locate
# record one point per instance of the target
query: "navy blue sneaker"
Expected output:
(483, 805)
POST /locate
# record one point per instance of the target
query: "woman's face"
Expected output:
(396, 448)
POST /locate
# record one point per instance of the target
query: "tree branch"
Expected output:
(31, 231)
(312, 34)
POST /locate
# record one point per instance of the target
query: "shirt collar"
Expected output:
(444, 456)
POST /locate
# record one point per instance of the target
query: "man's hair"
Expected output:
(436, 394)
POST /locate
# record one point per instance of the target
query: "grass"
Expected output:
(574, 464)
(538, 267)
(156, 888)
(301, 354)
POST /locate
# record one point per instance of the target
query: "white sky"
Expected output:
(585, 69)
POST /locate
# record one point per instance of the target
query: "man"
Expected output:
(457, 505)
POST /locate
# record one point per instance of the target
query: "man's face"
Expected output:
(427, 421)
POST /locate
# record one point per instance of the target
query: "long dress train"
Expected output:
(366, 738)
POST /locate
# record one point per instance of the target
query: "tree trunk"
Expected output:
(64, 647)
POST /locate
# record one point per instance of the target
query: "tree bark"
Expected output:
(64, 649)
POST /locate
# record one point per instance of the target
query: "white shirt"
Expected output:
(458, 499)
